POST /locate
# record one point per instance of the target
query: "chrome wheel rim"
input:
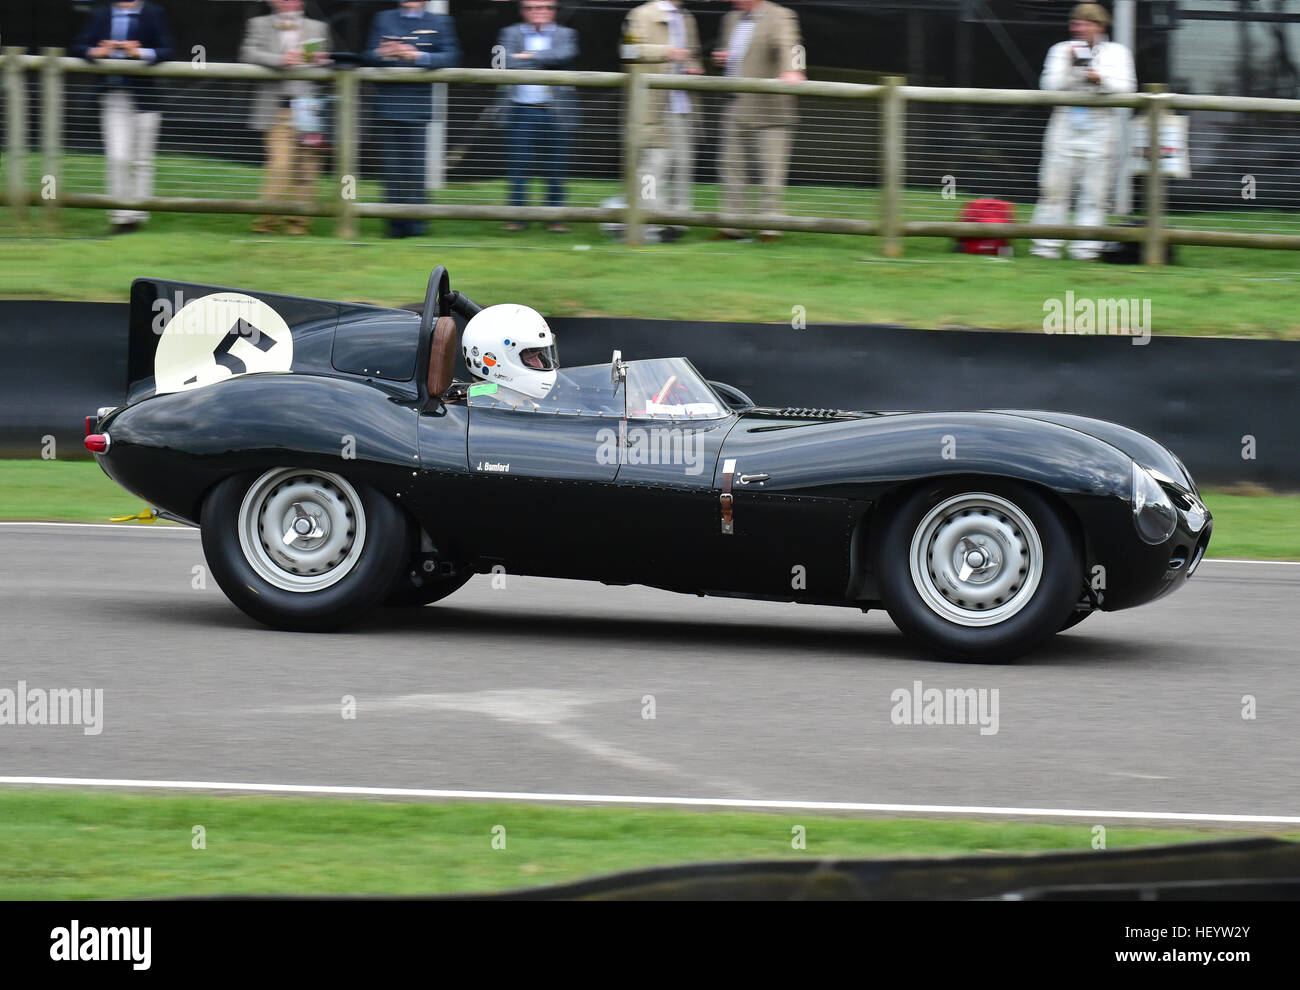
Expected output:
(976, 559)
(301, 530)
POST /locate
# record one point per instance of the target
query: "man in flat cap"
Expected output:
(1080, 145)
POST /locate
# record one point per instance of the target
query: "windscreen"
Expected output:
(585, 391)
(670, 388)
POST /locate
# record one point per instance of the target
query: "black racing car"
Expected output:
(334, 464)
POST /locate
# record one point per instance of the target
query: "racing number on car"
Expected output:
(242, 330)
(201, 344)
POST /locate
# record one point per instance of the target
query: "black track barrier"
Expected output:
(1230, 408)
(1235, 870)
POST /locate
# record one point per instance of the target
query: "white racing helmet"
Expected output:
(512, 345)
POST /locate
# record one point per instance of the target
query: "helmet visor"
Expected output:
(540, 358)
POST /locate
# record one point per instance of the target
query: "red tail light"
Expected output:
(97, 443)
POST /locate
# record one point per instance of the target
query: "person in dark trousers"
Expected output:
(130, 110)
(541, 118)
(408, 36)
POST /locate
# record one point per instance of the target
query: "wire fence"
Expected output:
(639, 152)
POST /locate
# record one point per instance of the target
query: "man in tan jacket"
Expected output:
(282, 40)
(759, 39)
(667, 42)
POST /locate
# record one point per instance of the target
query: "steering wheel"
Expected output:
(661, 397)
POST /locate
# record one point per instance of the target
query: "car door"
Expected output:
(720, 516)
(669, 449)
(542, 474)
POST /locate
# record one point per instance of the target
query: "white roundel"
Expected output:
(220, 336)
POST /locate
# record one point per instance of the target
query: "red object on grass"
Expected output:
(985, 211)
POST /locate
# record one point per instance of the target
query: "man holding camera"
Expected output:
(1080, 144)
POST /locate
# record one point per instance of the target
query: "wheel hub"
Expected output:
(976, 559)
(301, 530)
(306, 525)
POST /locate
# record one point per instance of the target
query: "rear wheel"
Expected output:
(978, 571)
(298, 548)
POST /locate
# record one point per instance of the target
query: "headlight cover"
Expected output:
(1154, 515)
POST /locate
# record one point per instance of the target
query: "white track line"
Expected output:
(173, 529)
(1243, 560)
(414, 792)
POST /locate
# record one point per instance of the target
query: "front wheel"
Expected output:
(302, 549)
(978, 571)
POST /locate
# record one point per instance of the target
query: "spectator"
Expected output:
(759, 39)
(668, 42)
(408, 36)
(284, 39)
(1080, 144)
(541, 118)
(129, 108)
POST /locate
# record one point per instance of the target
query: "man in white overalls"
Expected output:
(1080, 144)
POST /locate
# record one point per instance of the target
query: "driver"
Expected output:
(511, 348)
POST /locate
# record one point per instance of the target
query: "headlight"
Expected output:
(1154, 516)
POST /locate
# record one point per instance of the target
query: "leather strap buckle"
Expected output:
(726, 499)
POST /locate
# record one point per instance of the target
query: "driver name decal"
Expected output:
(220, 336)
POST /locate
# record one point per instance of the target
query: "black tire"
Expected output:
(1042, 609)
(374, 569)
(406, 594)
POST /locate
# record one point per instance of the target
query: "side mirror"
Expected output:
(617, 369)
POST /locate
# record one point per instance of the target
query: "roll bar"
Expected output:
(440, 300)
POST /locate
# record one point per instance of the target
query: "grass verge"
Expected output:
(60, 844)
(835, 278)
(1259, 526)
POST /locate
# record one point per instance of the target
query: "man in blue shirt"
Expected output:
(540, 117)
(408, 36)
(130, 109)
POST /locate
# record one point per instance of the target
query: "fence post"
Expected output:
(347, 128)
(635, 101)
(15, 86)
(892, 158)
(52, 90)
(1153, 248)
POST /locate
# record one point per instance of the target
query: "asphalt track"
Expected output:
(541, 686)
